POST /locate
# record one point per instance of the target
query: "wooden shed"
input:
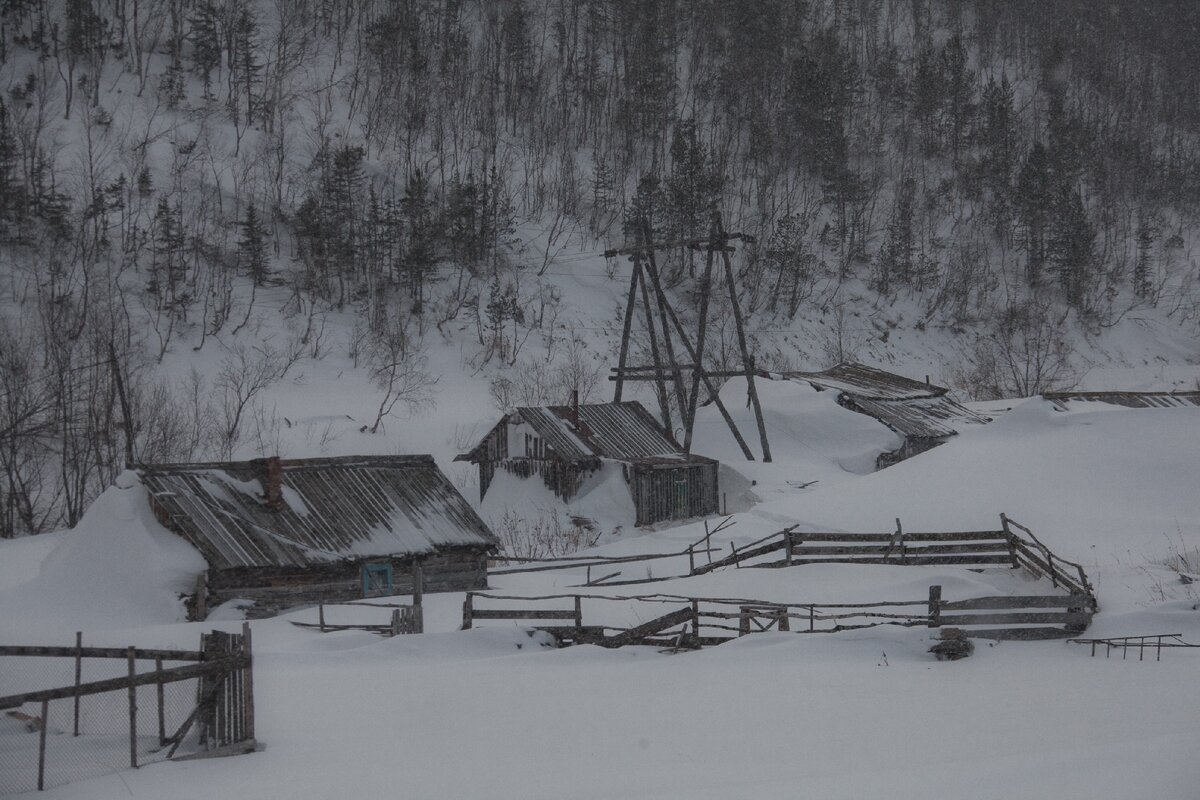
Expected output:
(920, 412)
(289, 532)
(565, 444)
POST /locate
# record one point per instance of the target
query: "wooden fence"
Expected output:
(1013, 617)
(405, 618)
(224, 709)
(699, 621)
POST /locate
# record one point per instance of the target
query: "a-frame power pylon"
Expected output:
(665, 330)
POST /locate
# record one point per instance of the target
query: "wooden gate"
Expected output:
(225, 699)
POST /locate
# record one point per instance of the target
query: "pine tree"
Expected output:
(693, 188)
(252, 250)
(1143, 267)
(1034, 196)
(206, 42)
(1072, 245)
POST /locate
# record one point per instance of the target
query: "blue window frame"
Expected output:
(376, 580)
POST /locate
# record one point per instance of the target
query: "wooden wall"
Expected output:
(274, 589)
(662, 492)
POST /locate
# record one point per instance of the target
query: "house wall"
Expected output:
(663, 492)
(274, 589)
(913, 445)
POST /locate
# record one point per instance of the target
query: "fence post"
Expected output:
(395, 622)
(812, 618)
(248, 697)
(744, 613)
(418, 598)
(900, 541)
(467, 608)
(696, 621)
(78, 675)
(162, 722)
(784, 623)
(578, 611)
(733, 548)
(321, 612)
(132, 708)
(691, 560)
(935, 606)
(1011, 538)
(787, 546)
(42, 745)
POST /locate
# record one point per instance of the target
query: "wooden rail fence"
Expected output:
(224, 710)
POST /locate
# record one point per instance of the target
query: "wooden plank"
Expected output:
(1027, 601)
(951, 536)
(919, 561)
(162, 719)
(235, 749)
(99, 652)
(1019, 634)
(649, 628)
(1016, 618)
(113, 684)
(533, 613)
(943, 549)
(248, 653)
(623, 353)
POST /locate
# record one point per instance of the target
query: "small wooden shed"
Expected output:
(565, 444)
(920, 412)
(290, 532)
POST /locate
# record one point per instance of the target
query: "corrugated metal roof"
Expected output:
(334, 509)
(620, 431)
(1127, 399)
(923, 417)
(867, 382)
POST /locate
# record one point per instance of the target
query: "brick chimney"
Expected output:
(271, 474)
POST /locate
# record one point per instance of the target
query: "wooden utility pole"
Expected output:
(666, 366)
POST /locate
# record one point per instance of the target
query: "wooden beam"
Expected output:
(705, 289)
(661, 296)
(114, 684)
(99, 652)
(747, 361)
(630, 306)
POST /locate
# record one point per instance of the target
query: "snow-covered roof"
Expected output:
(909, 407)
(920, 417)
(623, 431)
(332, 509)
(1126, 399)
(866, 382)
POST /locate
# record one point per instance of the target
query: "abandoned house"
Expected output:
(565, 444)
(921, 413)
(290, 532)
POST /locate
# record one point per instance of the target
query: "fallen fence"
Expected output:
(1142, 643)
(83, 737)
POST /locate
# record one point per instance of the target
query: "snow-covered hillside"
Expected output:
(868, 713)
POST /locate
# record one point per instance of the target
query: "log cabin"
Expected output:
(284, 533)
(563, 445)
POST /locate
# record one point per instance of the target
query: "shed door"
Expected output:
(682, 508)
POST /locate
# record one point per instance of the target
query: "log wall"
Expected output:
(274, 589)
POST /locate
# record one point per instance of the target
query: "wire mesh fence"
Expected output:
(88, 736)
(77, 714)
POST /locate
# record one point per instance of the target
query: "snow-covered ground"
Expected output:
(493, 712)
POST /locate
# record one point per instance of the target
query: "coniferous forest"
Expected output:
(1023, 175)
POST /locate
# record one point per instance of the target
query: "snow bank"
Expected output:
(118, 568)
